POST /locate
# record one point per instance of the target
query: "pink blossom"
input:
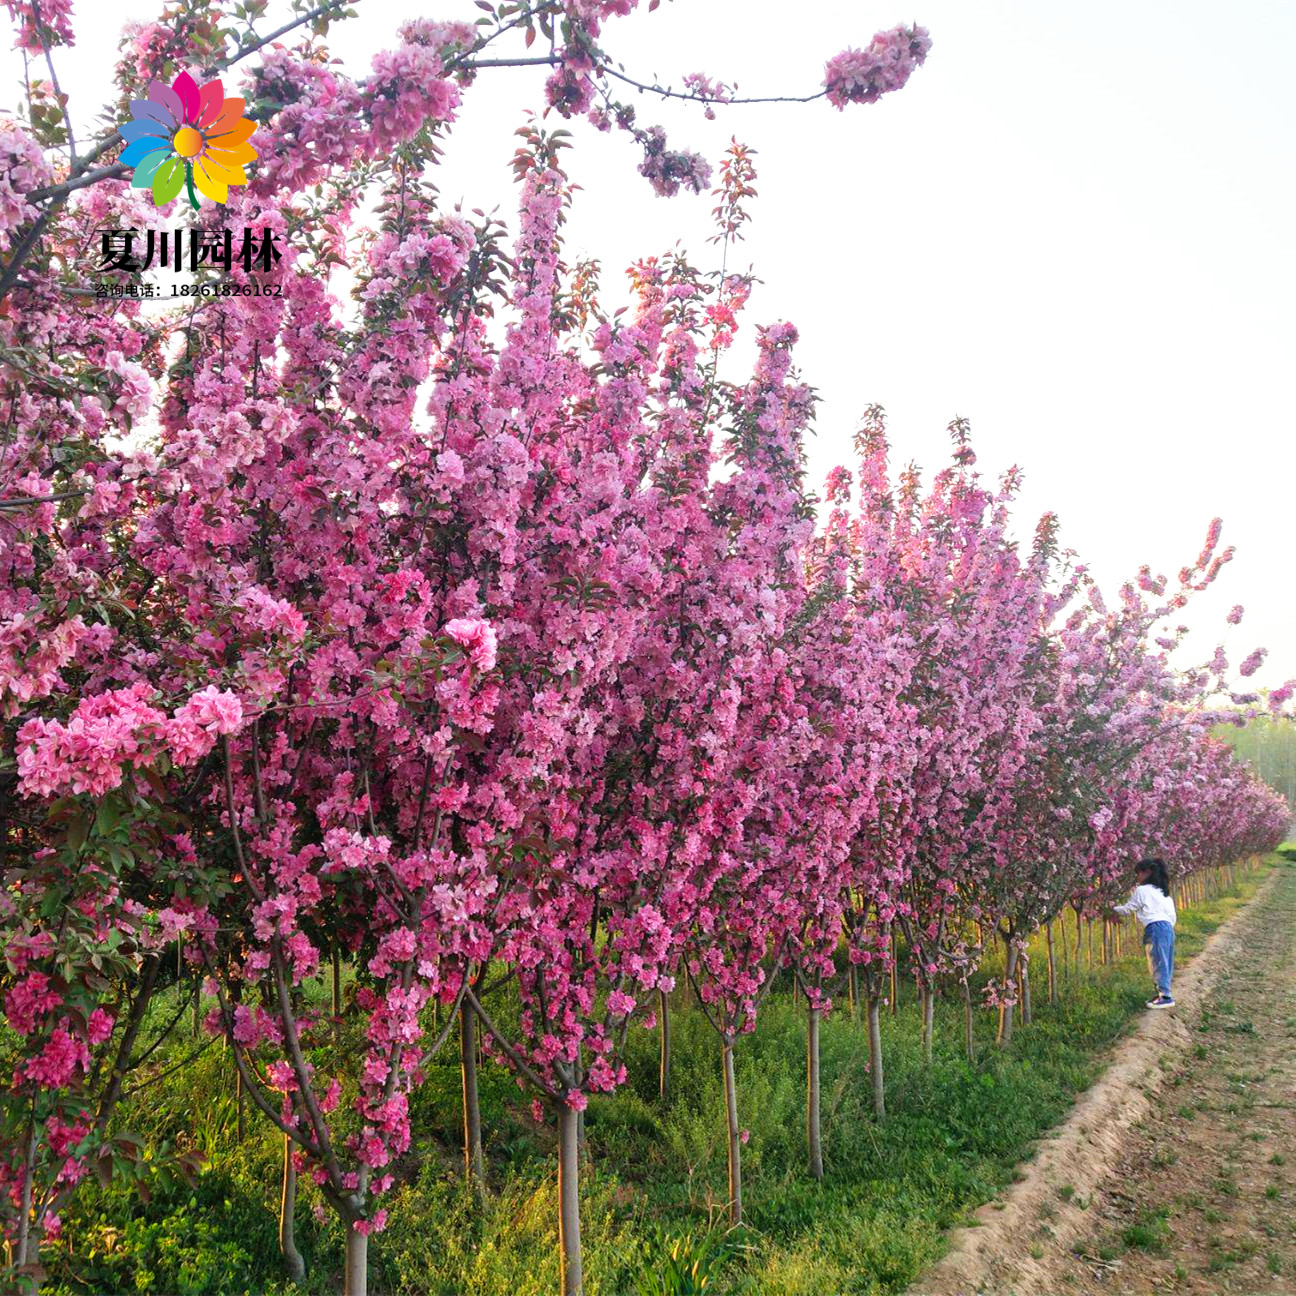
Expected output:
(477, 637)
(57, 1063)
(864, 76)
(99, 1027)
(29, 1001)
(1253, 662)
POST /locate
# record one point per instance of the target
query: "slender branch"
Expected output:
(665, 92)
(171, 1070)
(54, 81)
(509, 1051)
(320, 11)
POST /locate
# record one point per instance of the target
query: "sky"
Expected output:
(1073, 227)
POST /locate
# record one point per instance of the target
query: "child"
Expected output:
(1151, 904)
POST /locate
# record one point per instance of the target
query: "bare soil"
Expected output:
(1176, 1172)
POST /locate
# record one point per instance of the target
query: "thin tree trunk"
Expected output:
(293, 1261)
(356, 1278)
(928, 1021)
(664, 1063)
(24, 1250)
(337, 996)
(895, 977)
(474, 1160)
(569, 1202)
(875, 1056)
(1006, 1005)
(814, 1139)
(1090, 926)
(735, 1136)
(969, 1046)
(1052, 965)
(1024, 974)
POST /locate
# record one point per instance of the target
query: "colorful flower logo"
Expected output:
(182, 137)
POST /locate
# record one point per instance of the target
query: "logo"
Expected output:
(183, 137)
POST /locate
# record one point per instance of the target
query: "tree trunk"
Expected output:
(356, 1278)
(1052, 965)
(895, 976)
(928, 1021)
(875, 1056)
(664, 1063)
(569, 1202)
(337, 996)
(293, 1261)
(1023, 965)
(1090, 925)
(814, 1139)
(735, 1136)
(25, 1250)
(969, 1046)
(474, 1160)
(1006, 1005)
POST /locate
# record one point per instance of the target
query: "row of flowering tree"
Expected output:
(402, 604)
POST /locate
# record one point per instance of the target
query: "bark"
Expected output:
(337, 996)
(928, 1021)
(1006, 1006)
(969, 1046)
(474, 1160)
(25, 1248)
(875, 1056)
(735, 1135)
(569, 1202)
(814, 1139)
(1052, 965)
(293, 1261)
(356, 1277)
(664, 1062)
(1027, 1014)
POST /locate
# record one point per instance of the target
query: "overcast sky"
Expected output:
(1074, 227)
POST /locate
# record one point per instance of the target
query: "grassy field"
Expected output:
(655, 1178)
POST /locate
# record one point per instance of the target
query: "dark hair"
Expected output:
(1157, 875)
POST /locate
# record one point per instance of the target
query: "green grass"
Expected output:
(655, 1180)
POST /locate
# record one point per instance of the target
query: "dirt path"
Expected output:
(1177, 1171)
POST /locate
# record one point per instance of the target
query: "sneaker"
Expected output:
(1161, 1001)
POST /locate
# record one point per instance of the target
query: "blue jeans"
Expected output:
(1159, 937)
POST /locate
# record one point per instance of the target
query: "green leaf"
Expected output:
(168, 180)
(78, 831)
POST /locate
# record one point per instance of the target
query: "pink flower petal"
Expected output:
(187, 89)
